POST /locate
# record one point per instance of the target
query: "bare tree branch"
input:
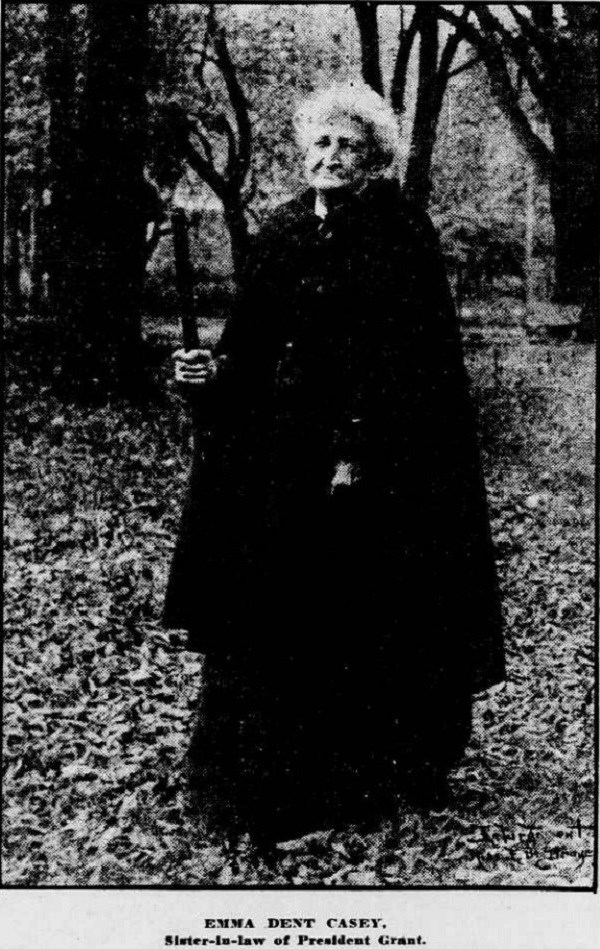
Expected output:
(492, 26)
(542, 15)
(208, 28)
(232, 149)
(231, 121)
(206, 171)
(447, 58)
(240, 167)
(474, 61)
(366, 20)
(204, 141)
(521, 51)
(405, 45)
(502, 87)
(250, 188)
(540, 40)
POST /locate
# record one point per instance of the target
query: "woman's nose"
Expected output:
(333, 152)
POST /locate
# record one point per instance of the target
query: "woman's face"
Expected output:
(337, 155)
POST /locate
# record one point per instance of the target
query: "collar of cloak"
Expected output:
(377, 198)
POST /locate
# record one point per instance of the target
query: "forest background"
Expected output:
(144, 145)
(118, 114)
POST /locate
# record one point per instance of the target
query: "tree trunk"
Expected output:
(111, 194)
(62, 152)
(574, 175)
(12, 263)
(238, 231)
(529, 240)
(184, 278)
(37, 237)
(366, 20)
(417, 184)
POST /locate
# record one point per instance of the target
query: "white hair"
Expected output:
(355, 100)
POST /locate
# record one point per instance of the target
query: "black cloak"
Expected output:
(345, 347)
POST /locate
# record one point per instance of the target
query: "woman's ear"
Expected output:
(379, 160)
(380, 165)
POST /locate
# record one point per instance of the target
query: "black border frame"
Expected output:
(593, 889)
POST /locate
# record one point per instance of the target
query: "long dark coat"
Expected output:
(346, 627)
(345, 345)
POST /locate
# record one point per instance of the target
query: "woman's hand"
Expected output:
(194, 367)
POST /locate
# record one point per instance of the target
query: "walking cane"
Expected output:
(184, 279)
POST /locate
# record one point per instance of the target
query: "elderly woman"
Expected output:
(334, 562)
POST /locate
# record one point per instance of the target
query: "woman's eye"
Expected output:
(322, 142)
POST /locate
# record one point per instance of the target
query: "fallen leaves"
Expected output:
(99, 699)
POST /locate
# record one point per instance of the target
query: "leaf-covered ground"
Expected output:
(99, 700)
